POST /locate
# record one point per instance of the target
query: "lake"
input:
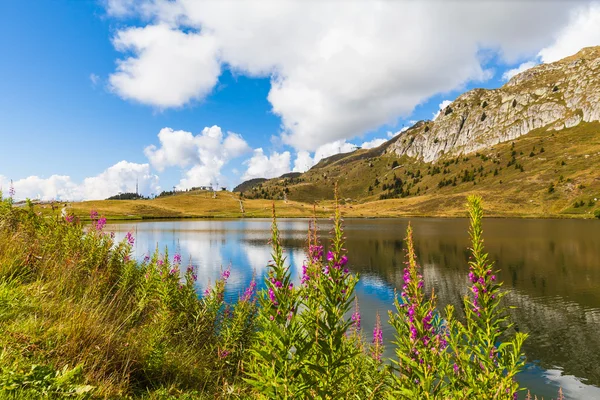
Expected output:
(551, 269)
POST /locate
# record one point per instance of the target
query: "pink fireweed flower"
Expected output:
(356, 316)
(377, 338)
(174, 271)
(343, 260)
(272, 296)
(11, 190)
(177, 258)
(69, 218)
(93, 215)
(223, 353)
(278, 284)
(100, 223)
(225, 274)
(146, 258)
(330, 256)
(207, 292)
(249, 292)
(130, 238)
(160, 262)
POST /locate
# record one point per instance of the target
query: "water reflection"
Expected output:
(550, 268)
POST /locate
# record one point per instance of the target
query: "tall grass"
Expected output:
(80, 318)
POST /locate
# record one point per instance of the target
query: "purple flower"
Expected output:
(177, 258)
(130, 238)
(330, 256)
(377, 334)
(173, 271)
(225, 274)
(356, 319)
(343, 260)
(69, 218)
(272, 296)
(146, 258)
(160, 262)
(223, 353)
(249, 292)
(207, 292)
(11, 190)
(456, 369)
(93, 214)
(100, 223)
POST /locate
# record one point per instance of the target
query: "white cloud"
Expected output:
(582, 31)
(333, 75)
(522, 67)
(303, 161)
(94, 79)
(263, 166)
(206, 154)
(121, 177)
(442, 105)
(168, 67)
(330, 149)
(404, 129)
(373, 143)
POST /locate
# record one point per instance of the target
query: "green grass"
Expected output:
(79, 319)
(569, 161)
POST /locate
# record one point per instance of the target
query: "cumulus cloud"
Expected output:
(303, 161)
(514, 71)
(205, 154)
(441, 106)
(262, 166)
(168, 67)
(404, 129)
(582, 31)
(121, 177)
(373, 143)
(333, 76)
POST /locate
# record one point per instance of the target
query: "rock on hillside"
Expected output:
(557, 95)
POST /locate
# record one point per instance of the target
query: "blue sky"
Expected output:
(287, 78)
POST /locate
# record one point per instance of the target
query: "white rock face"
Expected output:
(556, 96)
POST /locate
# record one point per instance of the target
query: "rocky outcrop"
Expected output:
(554, 96)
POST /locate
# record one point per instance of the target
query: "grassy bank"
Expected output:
(80, 319)
(227, 205)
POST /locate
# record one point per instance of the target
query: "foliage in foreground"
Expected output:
(81, 319)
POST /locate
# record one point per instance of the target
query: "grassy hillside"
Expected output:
(544, 173)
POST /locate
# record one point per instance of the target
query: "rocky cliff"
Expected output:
(557, 96)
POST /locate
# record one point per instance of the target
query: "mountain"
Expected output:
(534, 141)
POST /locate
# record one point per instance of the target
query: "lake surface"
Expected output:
(551, 269)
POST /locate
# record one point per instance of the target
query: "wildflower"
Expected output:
(356, 316)
(330, 256)
(100, 223)
(130, 238)
(11, 190)
(377, 339)
(225, 274)
(223, 353)
(177, 258)
(207, 292)
(93, 215)
(173, 271)
(160, 262)
(146, 258)
(272, 296)
(69, 218)
(249, 292)
(455, 368)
